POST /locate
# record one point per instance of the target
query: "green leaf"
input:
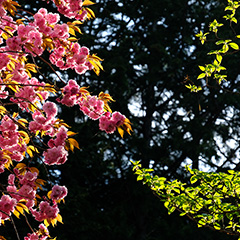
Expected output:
(217, 226)
(182, 214)
(219, 42)
(166, 204)
(213, 52)
(202, 68)
(201, 223)
(139, 177)
(171, 210)
(232, 172)
(234, 46)
(225, 48)
(202, 75)
(193, 179)
(219, 58)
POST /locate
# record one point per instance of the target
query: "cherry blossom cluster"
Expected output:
(7, 206)
(41, 234)
(45, 211)
(44, 120)
(35, 133)
(28, 94)
(46, 32)
(92, 106)
(75, 58)
(23, 185)
(57, 154)
(27, 189)
(71, 9)
(11, 141)
(109, 122)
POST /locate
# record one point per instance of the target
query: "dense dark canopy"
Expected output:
(149, 48)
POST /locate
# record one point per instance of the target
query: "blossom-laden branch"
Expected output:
(42, 136)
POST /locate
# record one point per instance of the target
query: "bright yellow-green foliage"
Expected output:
(209, 199)
(227, 46)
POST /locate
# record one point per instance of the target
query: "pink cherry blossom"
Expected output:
(7, 206)
(56, 155)
(40, 137)
(46, 211)
(50, 109)
(58, 192)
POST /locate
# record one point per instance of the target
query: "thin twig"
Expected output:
(28, 222)
(15, 228)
